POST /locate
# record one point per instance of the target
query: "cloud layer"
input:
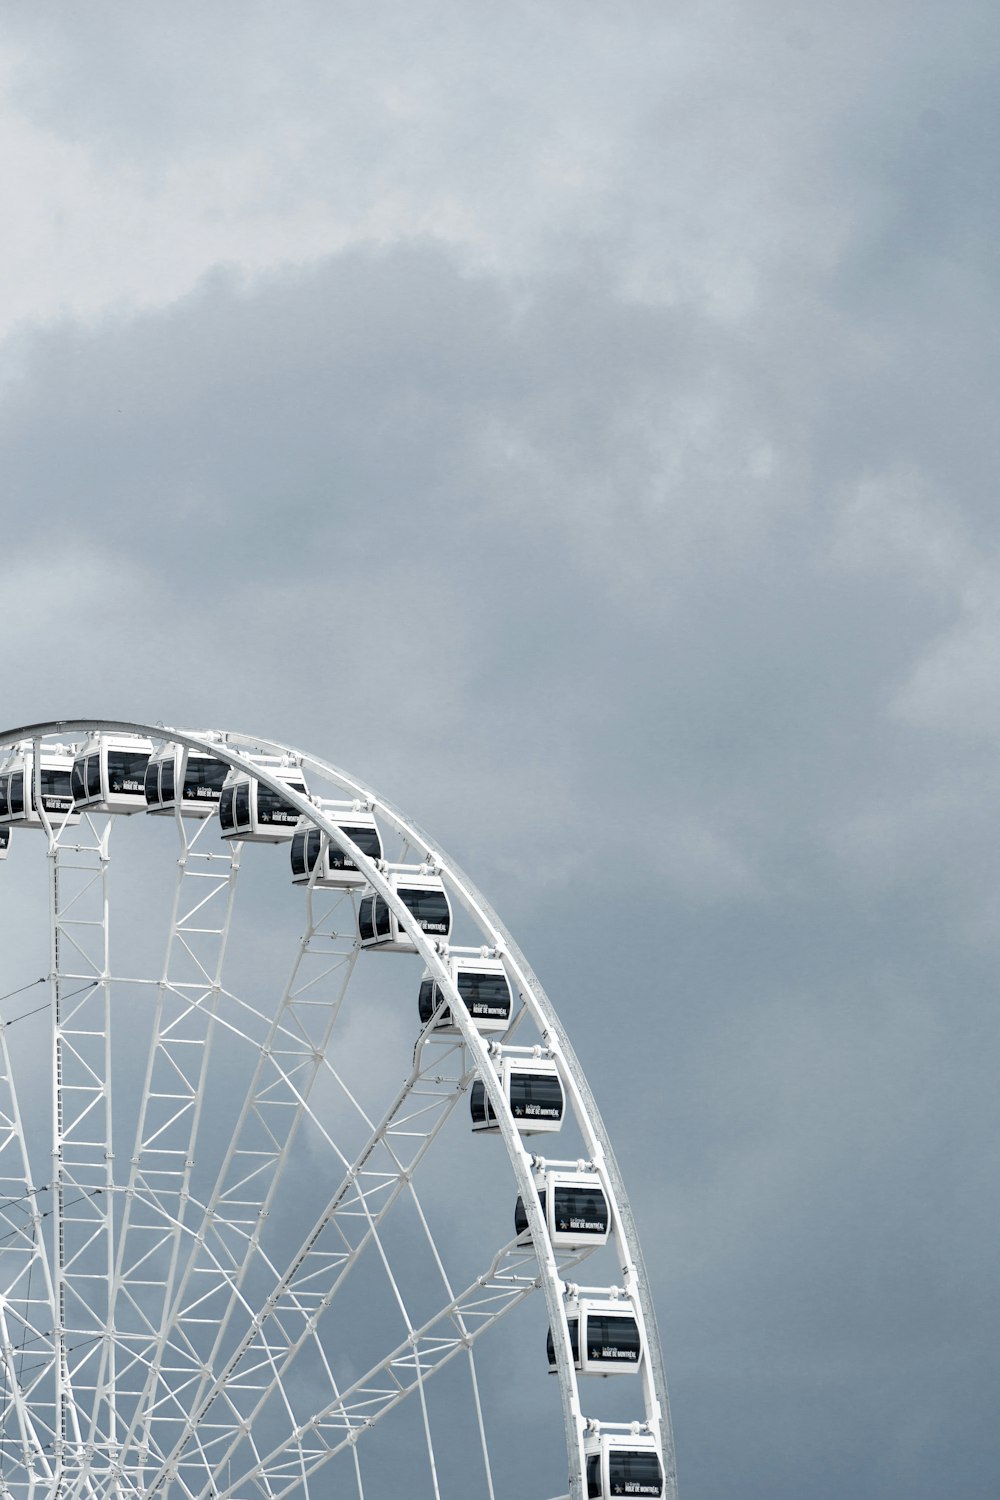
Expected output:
(583, 428)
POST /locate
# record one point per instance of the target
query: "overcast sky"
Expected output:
(580, 422)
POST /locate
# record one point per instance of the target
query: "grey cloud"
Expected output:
(657, 579)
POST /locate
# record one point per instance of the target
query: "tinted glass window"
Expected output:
(298, 854)
(167, 779)
(383, 918)
(486, 995)
(574, 1343)
(17, 792)
(634, 1473)
(4, 837)
(4, 806)
(520, 1215)
(479, 1103)
(427, 1000)
(127, 770)
(429, 907)
(593, 1476)
(241, 804)
(367, 840)
(56, 789)
(273, 808)
(203, 779)
(535, 1096)
(226, 819)
(78, 780)
(581, 1208)
(365, 925)
(151, 783)
(612, 1339)
(93, 775)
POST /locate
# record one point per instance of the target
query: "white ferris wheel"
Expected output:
(274, 1204)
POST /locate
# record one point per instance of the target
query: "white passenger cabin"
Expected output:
(314, 851)
(603, 1334)
(109, 774)
(534, 1093)
(483, 987)
(185, 781)
(422, 894)
(17, 791)
(574, 1207)
(251, 811)
(622, 1465)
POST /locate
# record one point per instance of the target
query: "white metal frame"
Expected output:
(141, 1392)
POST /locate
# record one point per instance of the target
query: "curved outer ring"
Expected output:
(554, 1038)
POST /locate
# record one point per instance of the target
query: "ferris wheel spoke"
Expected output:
(208, 1292)
(26, 1298)
(170, 1110)
(286, 1321)
(510, 1279)
(83, 1189)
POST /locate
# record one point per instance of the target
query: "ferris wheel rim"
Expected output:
(237, 751)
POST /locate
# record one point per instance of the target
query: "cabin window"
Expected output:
(241, 804)
(272, 807)
(367, 840)
(56, 788)
(167, 779)
(427, 1000)
(366, 926)
(485, 995)
(77, 780)
(126, 770)
(314, 840)
(536, 1096)
(203, 779)
(594, 1476)
(383, 918)
(636, 1473)
(226, 819)
(429, 907)
(298, 855)
(521, 1224)
(574, 1342)
(4, 788)
(93, 775)
(16, 793)
(581, 1208)
(614, 1339)
(479, 1104)
(151, 783)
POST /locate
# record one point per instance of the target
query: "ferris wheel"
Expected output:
(275, 1203)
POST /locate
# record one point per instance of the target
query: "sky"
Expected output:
(579, 422)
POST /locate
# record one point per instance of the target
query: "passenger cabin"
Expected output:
(533, 1091)
(424, 896)
(622, 1465)
(484, 989)
(185, 781)
(574, 1207)
(109, 774)
(17, 788)
(314, 851)
(603, 1335)
(256, 813)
